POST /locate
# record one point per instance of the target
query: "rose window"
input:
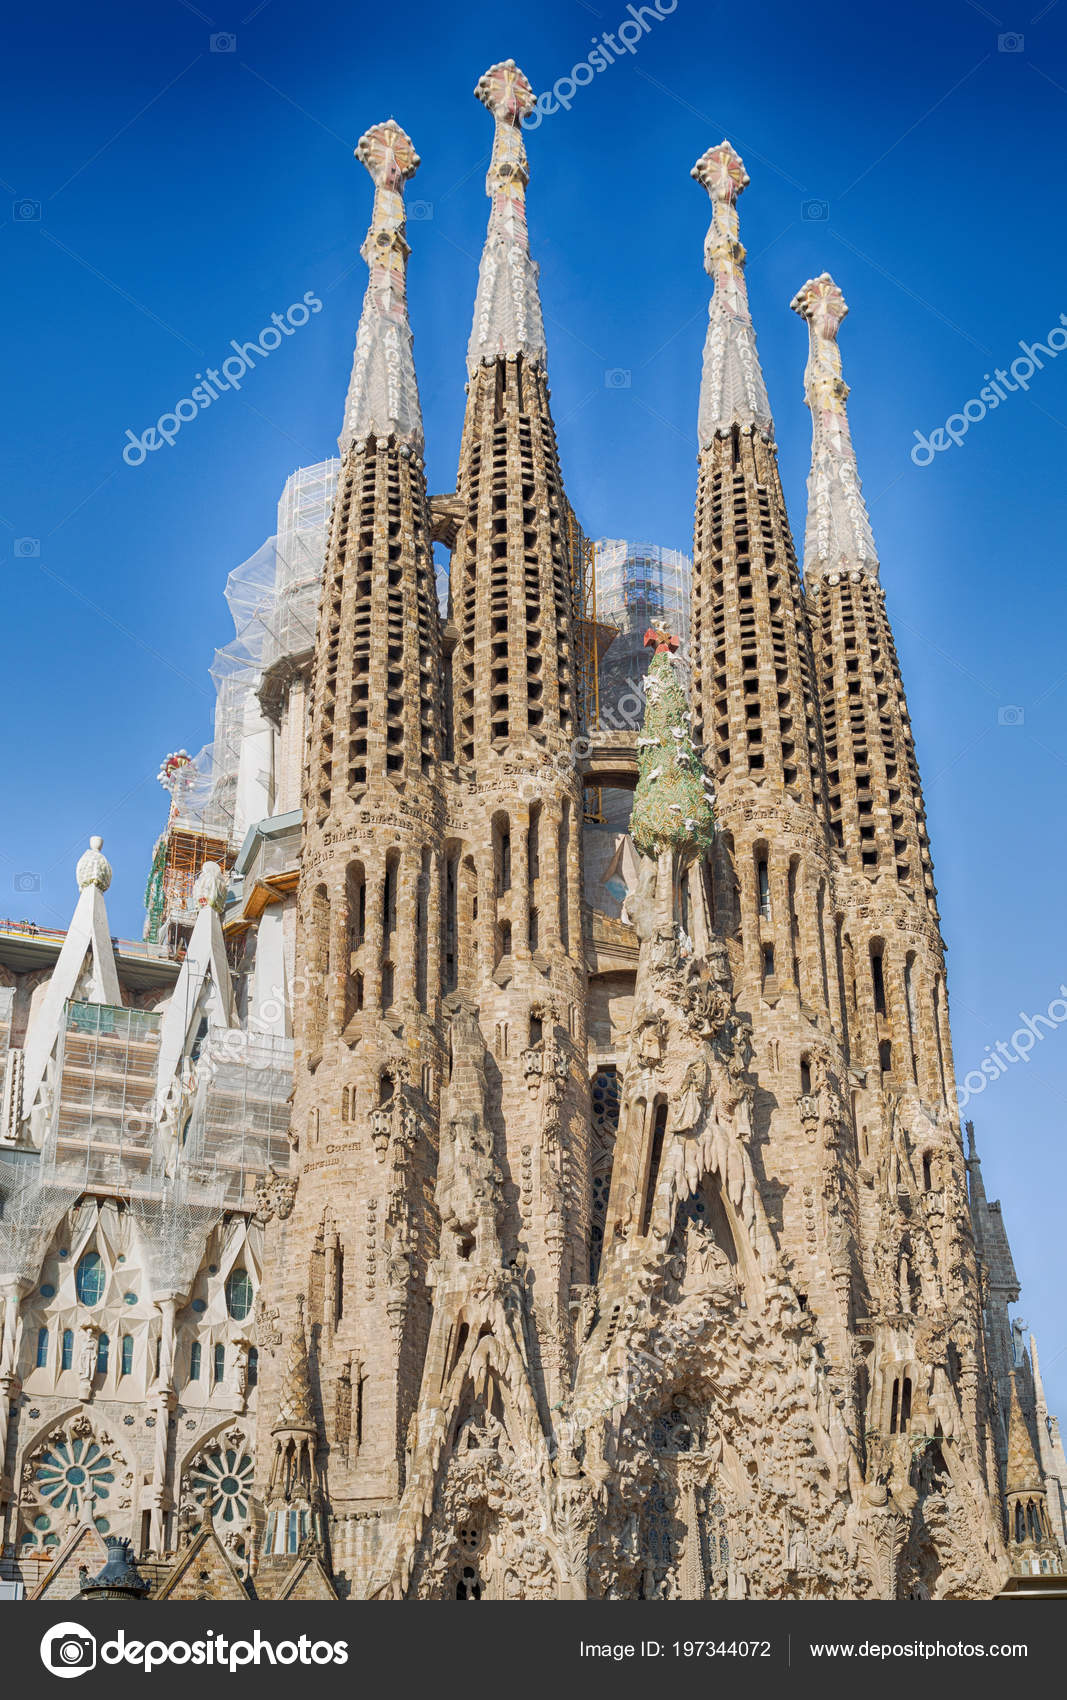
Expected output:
(72, 1471)
(222, 1483)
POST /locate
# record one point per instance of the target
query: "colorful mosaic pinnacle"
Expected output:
(672, 802)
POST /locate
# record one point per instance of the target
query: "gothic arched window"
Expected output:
(103, 1353)
(42, 1348)
(66, 1356)
(126, 1360)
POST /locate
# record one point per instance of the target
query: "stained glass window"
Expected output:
(89, 1279)
(42, 1348)
(127, 1354)
(239, 1294)
(67, 1351)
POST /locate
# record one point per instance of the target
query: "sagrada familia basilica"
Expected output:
(400, 1221)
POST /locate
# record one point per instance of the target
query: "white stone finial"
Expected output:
(210, 889)
(507, 308)
(93, 868)
(383, 395)
(838, 536)
(732, 390)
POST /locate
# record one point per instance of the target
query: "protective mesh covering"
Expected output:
(7, 1014)
(175, 1215)
(637, 585)
(273, 598)
(32, 1202)
(300, 551)
(102, 1113)
(240, 1120)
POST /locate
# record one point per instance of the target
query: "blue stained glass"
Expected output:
(127, 1353)
(67, 1350)
(89, 1279)
(103, 1352)
(239, 1294)
(42, 1348)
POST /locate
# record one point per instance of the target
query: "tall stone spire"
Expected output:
(85, 970)
(732, 391)
(507, 308)
(513, 905)
(874, 797)
(383, 396)
(367, 1012)
(839, 529)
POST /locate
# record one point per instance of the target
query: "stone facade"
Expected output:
(593, 1256)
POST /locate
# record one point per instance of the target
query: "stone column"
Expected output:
(162, 1399)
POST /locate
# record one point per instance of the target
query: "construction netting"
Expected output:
(300, 552)
(32, 1201)
(273, 598)
(103, 1132)
(638, 585)
(7, 1016)
(103, 1105)
(240, 1119)
(175, 1213)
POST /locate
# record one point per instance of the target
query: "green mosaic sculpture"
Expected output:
(673, 800)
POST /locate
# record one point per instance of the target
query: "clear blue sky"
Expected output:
(186, 195)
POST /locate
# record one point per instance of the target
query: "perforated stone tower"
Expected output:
(696, 1299)
(350, 1252)
(771, 1377)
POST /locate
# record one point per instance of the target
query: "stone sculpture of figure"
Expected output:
(639, 905)
(718, 960)
(468, 1188)
(707, 1267)
(692, 1098)
(87, 1354)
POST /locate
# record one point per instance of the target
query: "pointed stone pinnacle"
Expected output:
(838, 536)
(383, 395)
(732, 391)
(93, 868)
(507, 308)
